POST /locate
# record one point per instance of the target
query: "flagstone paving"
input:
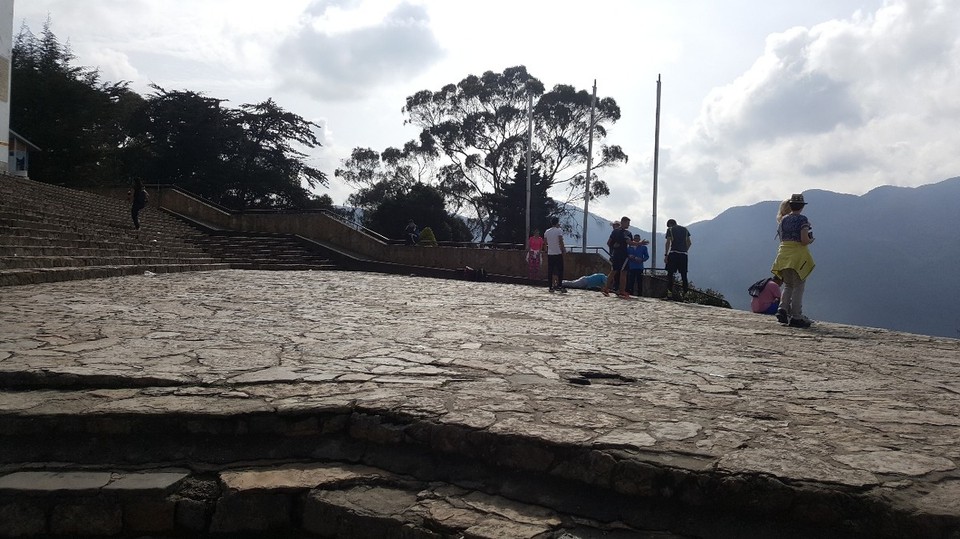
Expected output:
(715, 394)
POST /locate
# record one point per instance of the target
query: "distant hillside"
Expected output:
(886, 259)
(598, 230)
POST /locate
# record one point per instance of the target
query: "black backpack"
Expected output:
(758, 287)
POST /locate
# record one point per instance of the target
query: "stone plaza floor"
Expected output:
(869, 413)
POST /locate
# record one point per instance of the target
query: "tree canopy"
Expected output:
(510, 207)
(76, 119)
(474, 134)
(378, 176)
(425, 205)
(480, 126)
(241, 158)
(95, 133)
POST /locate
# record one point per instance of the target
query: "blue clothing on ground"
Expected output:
(597, 280)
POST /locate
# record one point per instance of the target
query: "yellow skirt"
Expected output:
(793, 255)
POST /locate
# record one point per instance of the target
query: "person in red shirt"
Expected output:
(534, 248)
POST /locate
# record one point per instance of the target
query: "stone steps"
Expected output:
(53, 261)
(87, 249)
(22, 276)
(324, 499)
(38, 226)
(343, 471)
(51, 233)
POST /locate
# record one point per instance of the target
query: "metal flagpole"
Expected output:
(656, 167)
(586, 187)
(529, 149)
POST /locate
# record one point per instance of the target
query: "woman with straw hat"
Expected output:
(794, 261)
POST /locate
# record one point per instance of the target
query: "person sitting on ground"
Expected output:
(767, 300)
(588, 282)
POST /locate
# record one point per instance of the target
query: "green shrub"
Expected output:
(427, 238)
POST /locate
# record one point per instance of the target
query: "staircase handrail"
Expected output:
(358, 226)
(325, 211)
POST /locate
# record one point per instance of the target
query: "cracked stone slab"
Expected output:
(296, 476)
(626, 437)
(789, 463)
(943, 499)
(160, 481)
(896, 462)
(46, 481)
(832, 405)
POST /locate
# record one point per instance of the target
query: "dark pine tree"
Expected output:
(425, 205)
(510, 207)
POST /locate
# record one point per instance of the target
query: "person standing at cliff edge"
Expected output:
(675, 256)
(794, 261)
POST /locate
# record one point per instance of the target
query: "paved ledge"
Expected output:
(643, 416)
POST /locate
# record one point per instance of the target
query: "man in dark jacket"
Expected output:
(620, 239)
(677, 245)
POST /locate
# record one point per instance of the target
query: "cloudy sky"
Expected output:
(760, 98)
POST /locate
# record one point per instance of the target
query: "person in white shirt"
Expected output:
(555, 250)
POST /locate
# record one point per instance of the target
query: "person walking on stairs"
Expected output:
(138, 197)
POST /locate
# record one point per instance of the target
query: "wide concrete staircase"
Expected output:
(51, 233)
(260, 250)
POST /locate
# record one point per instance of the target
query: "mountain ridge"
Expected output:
(885, 259)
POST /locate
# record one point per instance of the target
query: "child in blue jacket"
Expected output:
(637, 254)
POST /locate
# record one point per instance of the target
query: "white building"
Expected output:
(6, 67)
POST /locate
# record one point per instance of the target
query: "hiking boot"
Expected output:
(799, 323)
(782, 316)
(563, 290)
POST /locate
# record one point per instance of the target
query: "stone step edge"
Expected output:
(25, 276)
(37, 275)
(430, 450)
(328, 499)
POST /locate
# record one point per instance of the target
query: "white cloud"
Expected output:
(845, 105)
(347, 64)
(761, 98)
(114, 66)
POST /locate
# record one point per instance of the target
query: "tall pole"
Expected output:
(586, 186)
(656, 168)
(529, 149)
